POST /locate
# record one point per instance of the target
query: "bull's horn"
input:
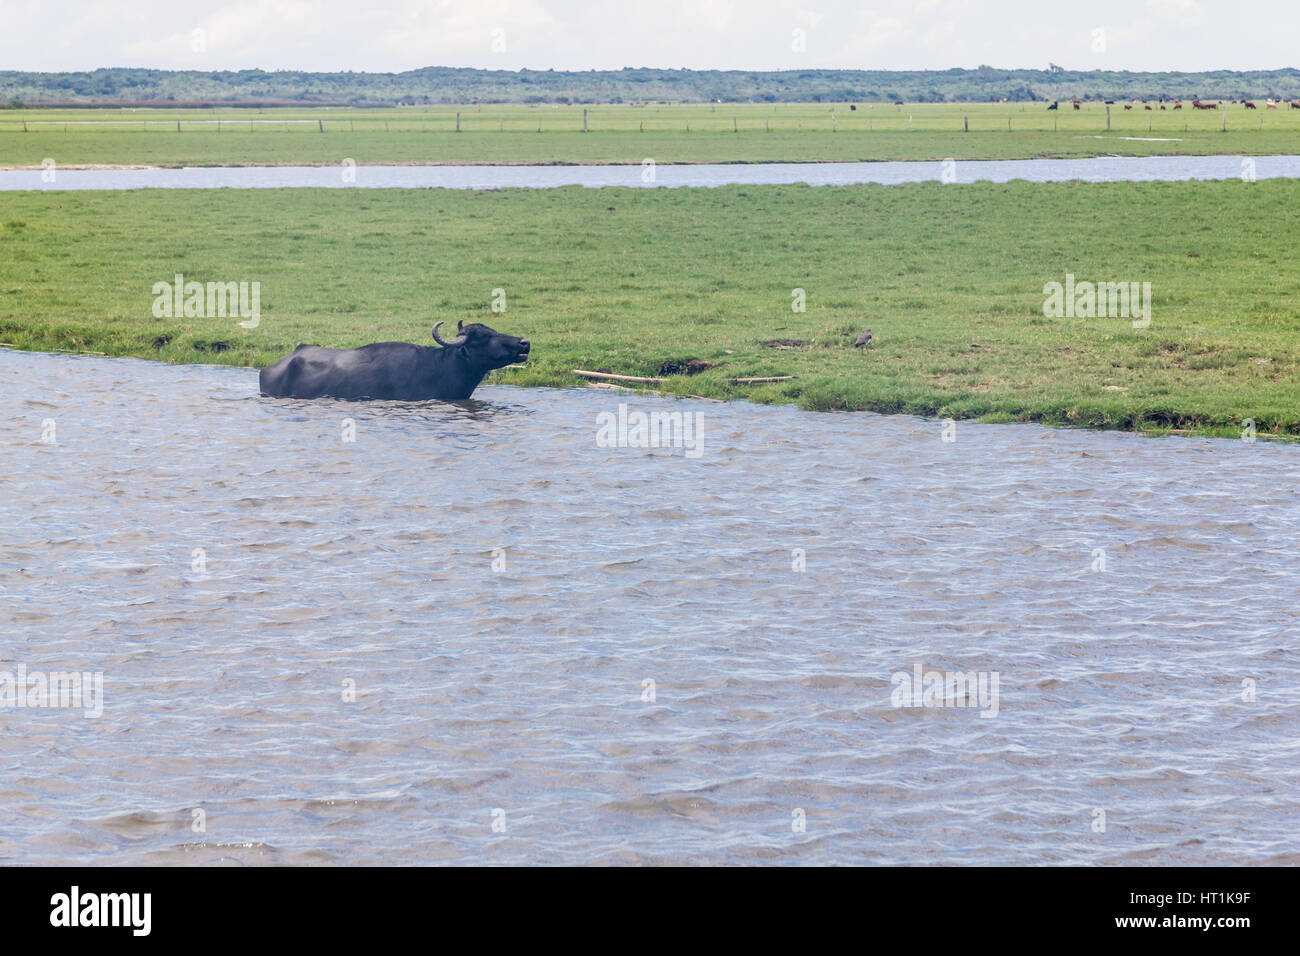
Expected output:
(458, 340)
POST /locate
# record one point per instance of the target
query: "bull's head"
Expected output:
(485, 347)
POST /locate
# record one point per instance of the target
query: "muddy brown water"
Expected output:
(1096, 169)
(237, 572)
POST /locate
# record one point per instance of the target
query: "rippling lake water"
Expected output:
(237, 570)
(1099, 169)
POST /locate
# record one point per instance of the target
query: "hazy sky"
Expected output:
(394, 35)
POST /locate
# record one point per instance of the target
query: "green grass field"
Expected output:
(724, 133)
(949, 278)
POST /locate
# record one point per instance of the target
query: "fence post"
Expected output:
(1108, 119)
(584, 119)
(458, 122)
(965, 124)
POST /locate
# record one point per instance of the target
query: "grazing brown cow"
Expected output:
(1128, 106)
(1076, 104)
(1147, 107)
(1249, 105)
(1295, 104)
(1178, 104)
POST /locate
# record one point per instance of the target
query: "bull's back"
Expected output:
(312, 371)
(279, 378)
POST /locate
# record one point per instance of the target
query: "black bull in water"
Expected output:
(399, 371)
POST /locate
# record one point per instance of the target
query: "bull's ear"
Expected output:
(459, 325)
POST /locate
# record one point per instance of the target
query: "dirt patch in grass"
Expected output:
(691, 366)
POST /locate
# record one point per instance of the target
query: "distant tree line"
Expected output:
(464, 85)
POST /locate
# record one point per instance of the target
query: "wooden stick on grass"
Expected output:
(624, 388)
(607, 377)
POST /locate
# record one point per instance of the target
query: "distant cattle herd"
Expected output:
(1178, 104)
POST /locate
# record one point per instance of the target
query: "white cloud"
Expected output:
(873, 33)
(941, 36)
(394, 35)
(1188, 13)
(462, 34)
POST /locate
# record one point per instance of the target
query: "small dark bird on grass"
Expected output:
(863, 339)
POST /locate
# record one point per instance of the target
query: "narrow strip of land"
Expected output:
(699, 133)
(641, 282)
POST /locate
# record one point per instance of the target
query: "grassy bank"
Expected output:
(949, 278)
(722, 133)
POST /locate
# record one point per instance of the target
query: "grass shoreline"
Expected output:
(501, 377)
(630, 280)
(507, 134)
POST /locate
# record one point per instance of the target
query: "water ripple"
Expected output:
(473, 635)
